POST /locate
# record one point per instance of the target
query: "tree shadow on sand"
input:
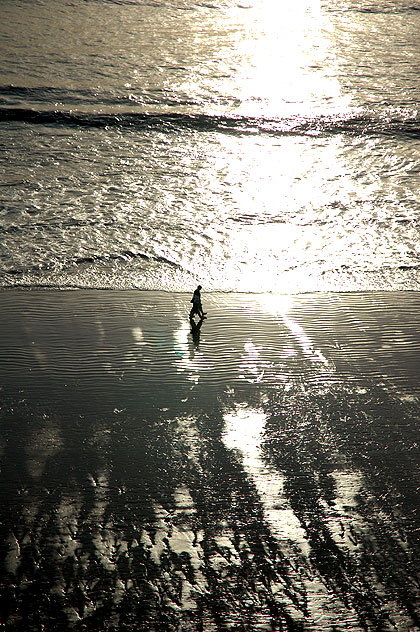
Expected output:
(366, 552)
(135, 524)
(137, 521)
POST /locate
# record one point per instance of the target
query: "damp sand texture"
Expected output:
(261, 474)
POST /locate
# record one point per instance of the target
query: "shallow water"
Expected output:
(260, 474)
(253, 147)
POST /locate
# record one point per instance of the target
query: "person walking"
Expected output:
(197, 307)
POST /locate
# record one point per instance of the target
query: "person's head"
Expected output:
(199, 287)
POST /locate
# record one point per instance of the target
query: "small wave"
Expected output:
(126, 255)
(12, 96)
(141, 271)
(173, 122)
(406, 268)
(17, 96)
(376, 8)
(71, 223)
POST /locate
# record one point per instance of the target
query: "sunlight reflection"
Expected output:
(244, 432)
(178, 539)
(287, 41)
(184, 358)
(276, 304)
(304, 341)
(138, 336)
(252, 364)
(44, 444)
(279, 305)
(188, 357)
(270, 236)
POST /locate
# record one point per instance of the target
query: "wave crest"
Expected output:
(322, 125)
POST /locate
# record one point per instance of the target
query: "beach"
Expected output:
(260, 472)
(257, 470)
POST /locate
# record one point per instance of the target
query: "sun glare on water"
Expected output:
(283, 47)
(283, 57)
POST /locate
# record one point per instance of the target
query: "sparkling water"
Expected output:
(256, 146)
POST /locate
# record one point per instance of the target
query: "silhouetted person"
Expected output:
(196, 304)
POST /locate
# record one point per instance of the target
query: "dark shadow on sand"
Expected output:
(123, 509)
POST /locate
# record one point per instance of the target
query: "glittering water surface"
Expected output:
(258, 146)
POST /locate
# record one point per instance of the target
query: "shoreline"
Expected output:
(75, 288)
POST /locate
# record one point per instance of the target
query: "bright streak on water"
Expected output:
(244, 432)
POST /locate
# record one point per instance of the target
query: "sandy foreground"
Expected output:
(260, 472)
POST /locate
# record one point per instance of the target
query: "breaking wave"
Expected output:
(363, 124)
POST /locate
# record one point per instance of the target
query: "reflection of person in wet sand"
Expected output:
(195, 331)
(196, 305)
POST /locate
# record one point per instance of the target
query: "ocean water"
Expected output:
(252, 146)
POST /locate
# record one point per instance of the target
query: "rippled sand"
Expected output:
(259, 473)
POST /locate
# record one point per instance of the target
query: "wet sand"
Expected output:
(260, 473)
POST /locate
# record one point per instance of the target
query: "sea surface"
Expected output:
(261, 145)
(257, 471)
